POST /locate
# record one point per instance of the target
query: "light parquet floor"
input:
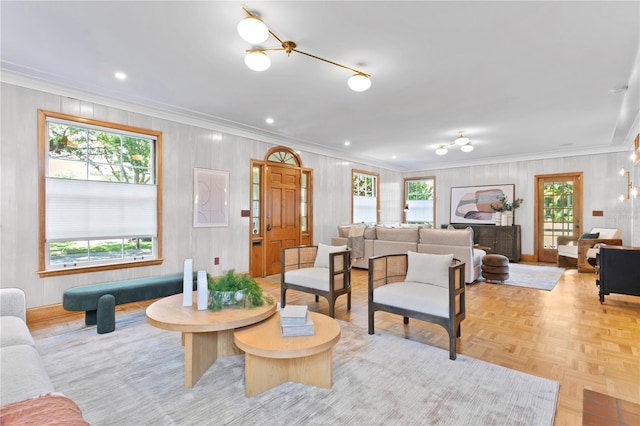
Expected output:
(564, 335)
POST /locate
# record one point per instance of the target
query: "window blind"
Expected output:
(83, 210)
(364, 209)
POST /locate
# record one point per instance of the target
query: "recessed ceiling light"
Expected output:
(269, 120)
(394, 157)
(347, 143)
(120, 75)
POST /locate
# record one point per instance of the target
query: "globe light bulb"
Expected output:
(359, 82)
(461, 140)
(257, 60)
(253, 30)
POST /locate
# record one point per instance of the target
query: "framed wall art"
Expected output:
(472, 204)
(210, 198)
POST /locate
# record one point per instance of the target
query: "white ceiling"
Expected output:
(521, 79)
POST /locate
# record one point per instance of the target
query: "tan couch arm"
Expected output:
(564, 240)
(584, 244)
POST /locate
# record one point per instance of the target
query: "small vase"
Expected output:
(203, 291)
(503, 220)
(498, 218)
(509, 218)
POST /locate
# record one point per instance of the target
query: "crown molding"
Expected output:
(197, 119)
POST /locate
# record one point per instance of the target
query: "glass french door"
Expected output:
(558, 211)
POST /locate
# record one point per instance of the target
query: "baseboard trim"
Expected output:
(528, 258)
(48, 312)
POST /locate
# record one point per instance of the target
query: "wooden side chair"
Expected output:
(427, 287)
(322, 270)
(581, 251)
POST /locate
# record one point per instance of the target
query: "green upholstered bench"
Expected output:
(99, 300)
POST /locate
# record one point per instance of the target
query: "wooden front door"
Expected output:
(558, 212)
(282, 213)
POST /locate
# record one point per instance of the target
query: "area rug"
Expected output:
(134, 376)
(534, 276)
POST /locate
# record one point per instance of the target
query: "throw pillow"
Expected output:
(322, 255)
(588, 235)
(343, 230)
(428, 268)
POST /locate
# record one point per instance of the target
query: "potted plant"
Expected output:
(506, 207)
(235, 290)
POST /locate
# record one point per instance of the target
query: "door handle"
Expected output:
(268, 227)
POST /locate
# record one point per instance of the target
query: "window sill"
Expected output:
(98, 268)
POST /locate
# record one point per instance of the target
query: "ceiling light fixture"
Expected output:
(461, 141)
(441, 150)
(466, 147)
(252, 29)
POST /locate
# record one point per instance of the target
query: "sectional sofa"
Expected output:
(368, 241)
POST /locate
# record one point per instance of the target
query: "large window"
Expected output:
(365, 197)
(100, 195)
(419, 196)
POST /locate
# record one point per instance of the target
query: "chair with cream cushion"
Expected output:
(574, 251)
(322, 270)
(423, 286)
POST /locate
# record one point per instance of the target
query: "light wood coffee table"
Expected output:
(206, 335)
(271, 359)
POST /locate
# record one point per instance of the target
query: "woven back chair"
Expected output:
(389, 292)
(300, 271)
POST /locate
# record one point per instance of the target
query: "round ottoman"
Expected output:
(495, 267)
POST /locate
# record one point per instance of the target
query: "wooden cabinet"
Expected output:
(618, 270)
(504, 240)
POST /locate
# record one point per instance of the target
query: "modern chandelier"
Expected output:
(253, 30)
(462, 141)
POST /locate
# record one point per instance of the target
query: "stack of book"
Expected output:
(296, 321)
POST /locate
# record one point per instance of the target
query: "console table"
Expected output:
(504, 240)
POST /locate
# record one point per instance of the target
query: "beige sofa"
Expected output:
(458, 242)
(381, 240)
(361, 245)
(27, 395)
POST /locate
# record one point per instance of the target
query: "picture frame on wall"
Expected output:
(210, 198)
(472, 204)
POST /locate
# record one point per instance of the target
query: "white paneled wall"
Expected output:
(602, 185)
(184, 147)
(187, 146)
